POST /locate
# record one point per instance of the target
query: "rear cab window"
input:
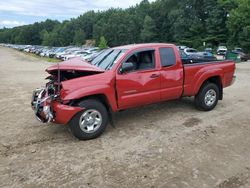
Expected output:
(167, 56)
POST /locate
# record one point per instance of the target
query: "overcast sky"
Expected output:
(20, 12)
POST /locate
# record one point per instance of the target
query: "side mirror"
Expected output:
(126, 67)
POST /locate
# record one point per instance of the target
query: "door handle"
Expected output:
(155, 76)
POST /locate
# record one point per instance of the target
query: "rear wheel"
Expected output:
(91, 122)
(208, 97)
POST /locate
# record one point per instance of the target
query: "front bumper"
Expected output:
(47, 109)
(63, 113)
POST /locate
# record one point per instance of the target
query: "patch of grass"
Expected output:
(52, 60)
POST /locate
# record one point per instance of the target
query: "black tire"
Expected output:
(81, 133)
(200, 101)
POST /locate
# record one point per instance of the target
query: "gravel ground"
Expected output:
(164, 145)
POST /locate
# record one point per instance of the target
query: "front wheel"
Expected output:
(91, 122)
(208, 97)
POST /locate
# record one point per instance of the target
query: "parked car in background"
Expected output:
(92, 50)
(59, 51)
(210, 50)
(243, 56)
(197, 57)
(50, 51)
(238, 50)
(181, 47)
(27, 48)
(44, 51)
(190, 51)
(222, 50)
(77, 53)
(91, 56)
(39, 50)
(63, 53)
(205, 54)
(67, 51)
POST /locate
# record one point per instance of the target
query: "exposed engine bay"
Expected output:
(43, 97)
(68, 75)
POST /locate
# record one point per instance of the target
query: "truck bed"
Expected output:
(194, 74)
(195, 61)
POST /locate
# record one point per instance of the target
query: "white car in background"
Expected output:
(44, 51)
(181, 47)
(89, 56)
(190, 51)
(66, 52)
(27, 48)
(222, 50)
(75, 54)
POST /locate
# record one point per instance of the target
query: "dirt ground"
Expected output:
(164, 145)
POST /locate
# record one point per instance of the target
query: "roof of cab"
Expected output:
(144, 45)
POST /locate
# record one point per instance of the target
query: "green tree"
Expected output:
(148, 31)
(45, 38)
(50, 39)
(103, 43)
(216, 30)
(244, 38)
(86, 22)
(186, 22)
(79, 37)
(239, 24)
(66, 32)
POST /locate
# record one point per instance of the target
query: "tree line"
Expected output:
(187, 22)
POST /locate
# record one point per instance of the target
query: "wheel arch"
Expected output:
(99, 97)
(215, 80)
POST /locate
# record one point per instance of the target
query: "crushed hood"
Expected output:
(74, 64)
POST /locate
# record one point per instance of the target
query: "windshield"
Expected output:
(106, 59)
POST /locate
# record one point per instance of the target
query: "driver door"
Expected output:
(141, 85)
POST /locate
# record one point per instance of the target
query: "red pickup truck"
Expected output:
(84, 94)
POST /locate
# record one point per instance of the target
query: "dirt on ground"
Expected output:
(163, 145)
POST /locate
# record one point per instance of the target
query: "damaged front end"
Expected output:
(42, 100)
(46, 101)
(40, 105)
(48, 106)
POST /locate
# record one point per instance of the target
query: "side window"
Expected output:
(167, 57)
(142, 60)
